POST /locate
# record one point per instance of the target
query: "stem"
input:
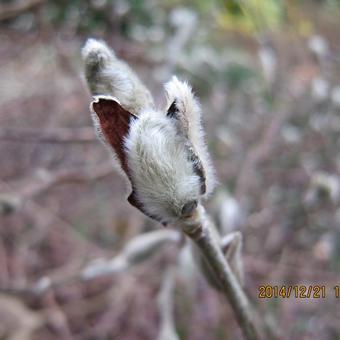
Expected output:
(198, 230)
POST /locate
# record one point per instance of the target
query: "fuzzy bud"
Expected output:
(161, 153)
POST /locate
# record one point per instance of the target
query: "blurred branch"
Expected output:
(46, 179)
(43, 216)
(4, 278)
(9, 11)
(261, 151)
(137, 250)
(26, 320)
(57, 135)
(166, 307)
(184, 21)
(56, 318)
(289, 106)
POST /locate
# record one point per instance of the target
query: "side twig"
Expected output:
(136, 251)
(165, 303)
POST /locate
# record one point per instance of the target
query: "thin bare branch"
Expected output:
(166, 307)
(26, 321)
(57, 135)
(137, 250)
(47, 179)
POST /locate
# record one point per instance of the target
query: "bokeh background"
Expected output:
(268, 77)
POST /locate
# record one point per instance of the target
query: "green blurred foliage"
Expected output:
(252, 15)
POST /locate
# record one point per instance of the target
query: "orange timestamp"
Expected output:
(297, 291)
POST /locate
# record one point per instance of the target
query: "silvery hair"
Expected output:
(160, 152)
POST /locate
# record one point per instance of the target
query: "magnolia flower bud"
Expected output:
(161, 153)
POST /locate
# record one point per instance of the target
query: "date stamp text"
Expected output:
(297, 291)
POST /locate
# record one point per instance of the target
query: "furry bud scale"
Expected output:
(161, 153)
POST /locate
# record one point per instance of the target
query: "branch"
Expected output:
(57, 135)
(198, 230)
(270, 138)
(260, 151)
(10, 11)
(166, 307)
(24, 321)
(137, 250)
(13, 200)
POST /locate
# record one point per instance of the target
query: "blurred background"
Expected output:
(268, 77)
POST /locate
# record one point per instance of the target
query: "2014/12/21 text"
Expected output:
(297, 291)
